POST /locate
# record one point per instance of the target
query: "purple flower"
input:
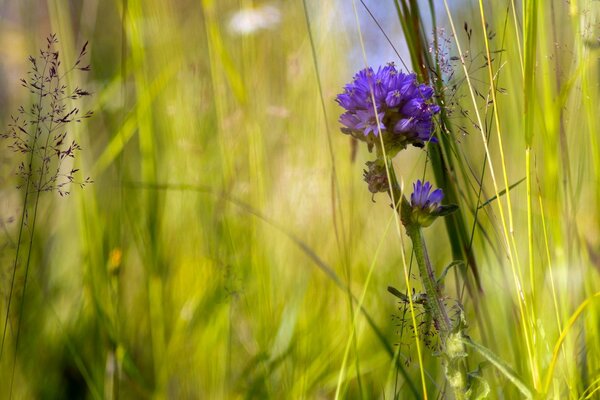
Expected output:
(423, 200)
(402, 105)
(426, 206)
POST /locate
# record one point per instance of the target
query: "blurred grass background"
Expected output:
(217, 253)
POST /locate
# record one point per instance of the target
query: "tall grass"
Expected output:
(229, 248)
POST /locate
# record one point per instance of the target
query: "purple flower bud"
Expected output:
(413, 107)
(393, 98)
(404, 125)
(426, 92)
(421, 198)
(425, 204)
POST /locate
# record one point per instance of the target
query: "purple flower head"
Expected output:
(402, 106)
(426, 206)
(423, 200)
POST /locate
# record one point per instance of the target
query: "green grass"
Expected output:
(229, 248)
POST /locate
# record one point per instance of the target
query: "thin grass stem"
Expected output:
(510, 244)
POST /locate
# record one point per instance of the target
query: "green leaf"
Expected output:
(445, 210)
(479, 388)
(398, 293)
(504, 368)
(500, 193)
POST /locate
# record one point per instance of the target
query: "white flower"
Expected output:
(250, 20)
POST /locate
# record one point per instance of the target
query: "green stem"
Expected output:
(426, 272)
(452, 349)
(428, 279)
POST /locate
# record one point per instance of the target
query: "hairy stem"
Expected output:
(452, 349)
(426, 272)
(429, 281)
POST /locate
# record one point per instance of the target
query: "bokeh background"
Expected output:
(228, 237)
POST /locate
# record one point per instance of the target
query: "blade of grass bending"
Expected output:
(326, 269)
(504, 368)
(562, 337)
(502, 192)
(588, 392)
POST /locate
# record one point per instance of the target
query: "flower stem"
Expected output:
(426, 272)
(452, 349)
(429, 281)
